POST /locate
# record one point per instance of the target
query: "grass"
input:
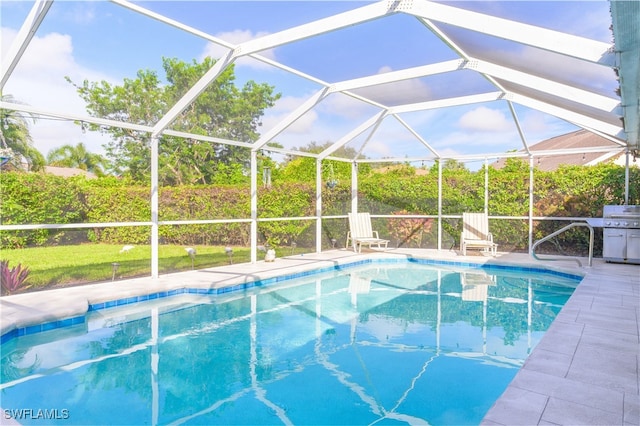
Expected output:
(60, 266)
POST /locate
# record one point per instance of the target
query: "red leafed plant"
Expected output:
(12, 278)
(409, 230)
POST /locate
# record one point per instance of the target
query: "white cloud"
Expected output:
(378, 149)
(485, 120)
(282, 109)
(46, 57)
(304, 124)
(536, 122)
(450, 152)
(38, 81)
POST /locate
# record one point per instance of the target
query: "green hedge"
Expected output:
(32, 198)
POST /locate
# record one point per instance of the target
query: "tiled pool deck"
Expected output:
(585, 371)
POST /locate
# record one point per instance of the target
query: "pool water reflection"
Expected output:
(391, 343)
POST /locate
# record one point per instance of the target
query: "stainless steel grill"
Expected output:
(621, 234)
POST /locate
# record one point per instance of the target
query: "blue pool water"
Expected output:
(382, 343)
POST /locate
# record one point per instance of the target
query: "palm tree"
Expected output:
(77, 156)
(15, 139)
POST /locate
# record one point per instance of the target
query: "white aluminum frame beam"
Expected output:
(608, 137)
(318, 205)
(204, 138)
(573, 94)
(291, 152)
(394, 76)
(292, 117)
(396, 160)
(417, 136)
(520, 154)
(580, 120)
(444, 37)
(518, 126)
(74, 117)
(353, 134)
(531, 35)
(179, 25)
(321, 26)
(193, 93)
(448, 102)
(165, 20)
(487, 69)
(374, 128)
(155, 207)
(23, 38)
(594, 149)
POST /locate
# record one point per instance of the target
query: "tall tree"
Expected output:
(16, 140)
(78, 156)
(222, 110)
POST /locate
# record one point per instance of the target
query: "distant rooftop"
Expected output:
(579, 142)
(68, 172)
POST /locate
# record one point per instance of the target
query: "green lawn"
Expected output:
(87, 263)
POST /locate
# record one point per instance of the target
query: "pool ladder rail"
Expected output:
(560, 231)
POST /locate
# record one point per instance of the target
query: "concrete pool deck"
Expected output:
(585, 370)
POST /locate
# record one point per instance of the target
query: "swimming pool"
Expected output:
(392, 343)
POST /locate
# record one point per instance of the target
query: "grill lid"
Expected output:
(622, 217)
(622, 212)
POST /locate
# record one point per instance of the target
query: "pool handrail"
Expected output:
(560, 231)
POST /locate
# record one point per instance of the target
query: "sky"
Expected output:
(98, 40)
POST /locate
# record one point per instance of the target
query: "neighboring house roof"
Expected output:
(387, 169)
(577, 140)
(68, 172)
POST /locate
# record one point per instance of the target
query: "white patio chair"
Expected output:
(361, 233)
(475, 285)
(475, 233)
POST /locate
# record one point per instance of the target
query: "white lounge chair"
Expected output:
(475, 233)
(475, 285)
(361, 233)
(358, 284)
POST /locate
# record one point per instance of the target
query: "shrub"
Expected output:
(407, 230)
(36, 198)
(12, 278)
